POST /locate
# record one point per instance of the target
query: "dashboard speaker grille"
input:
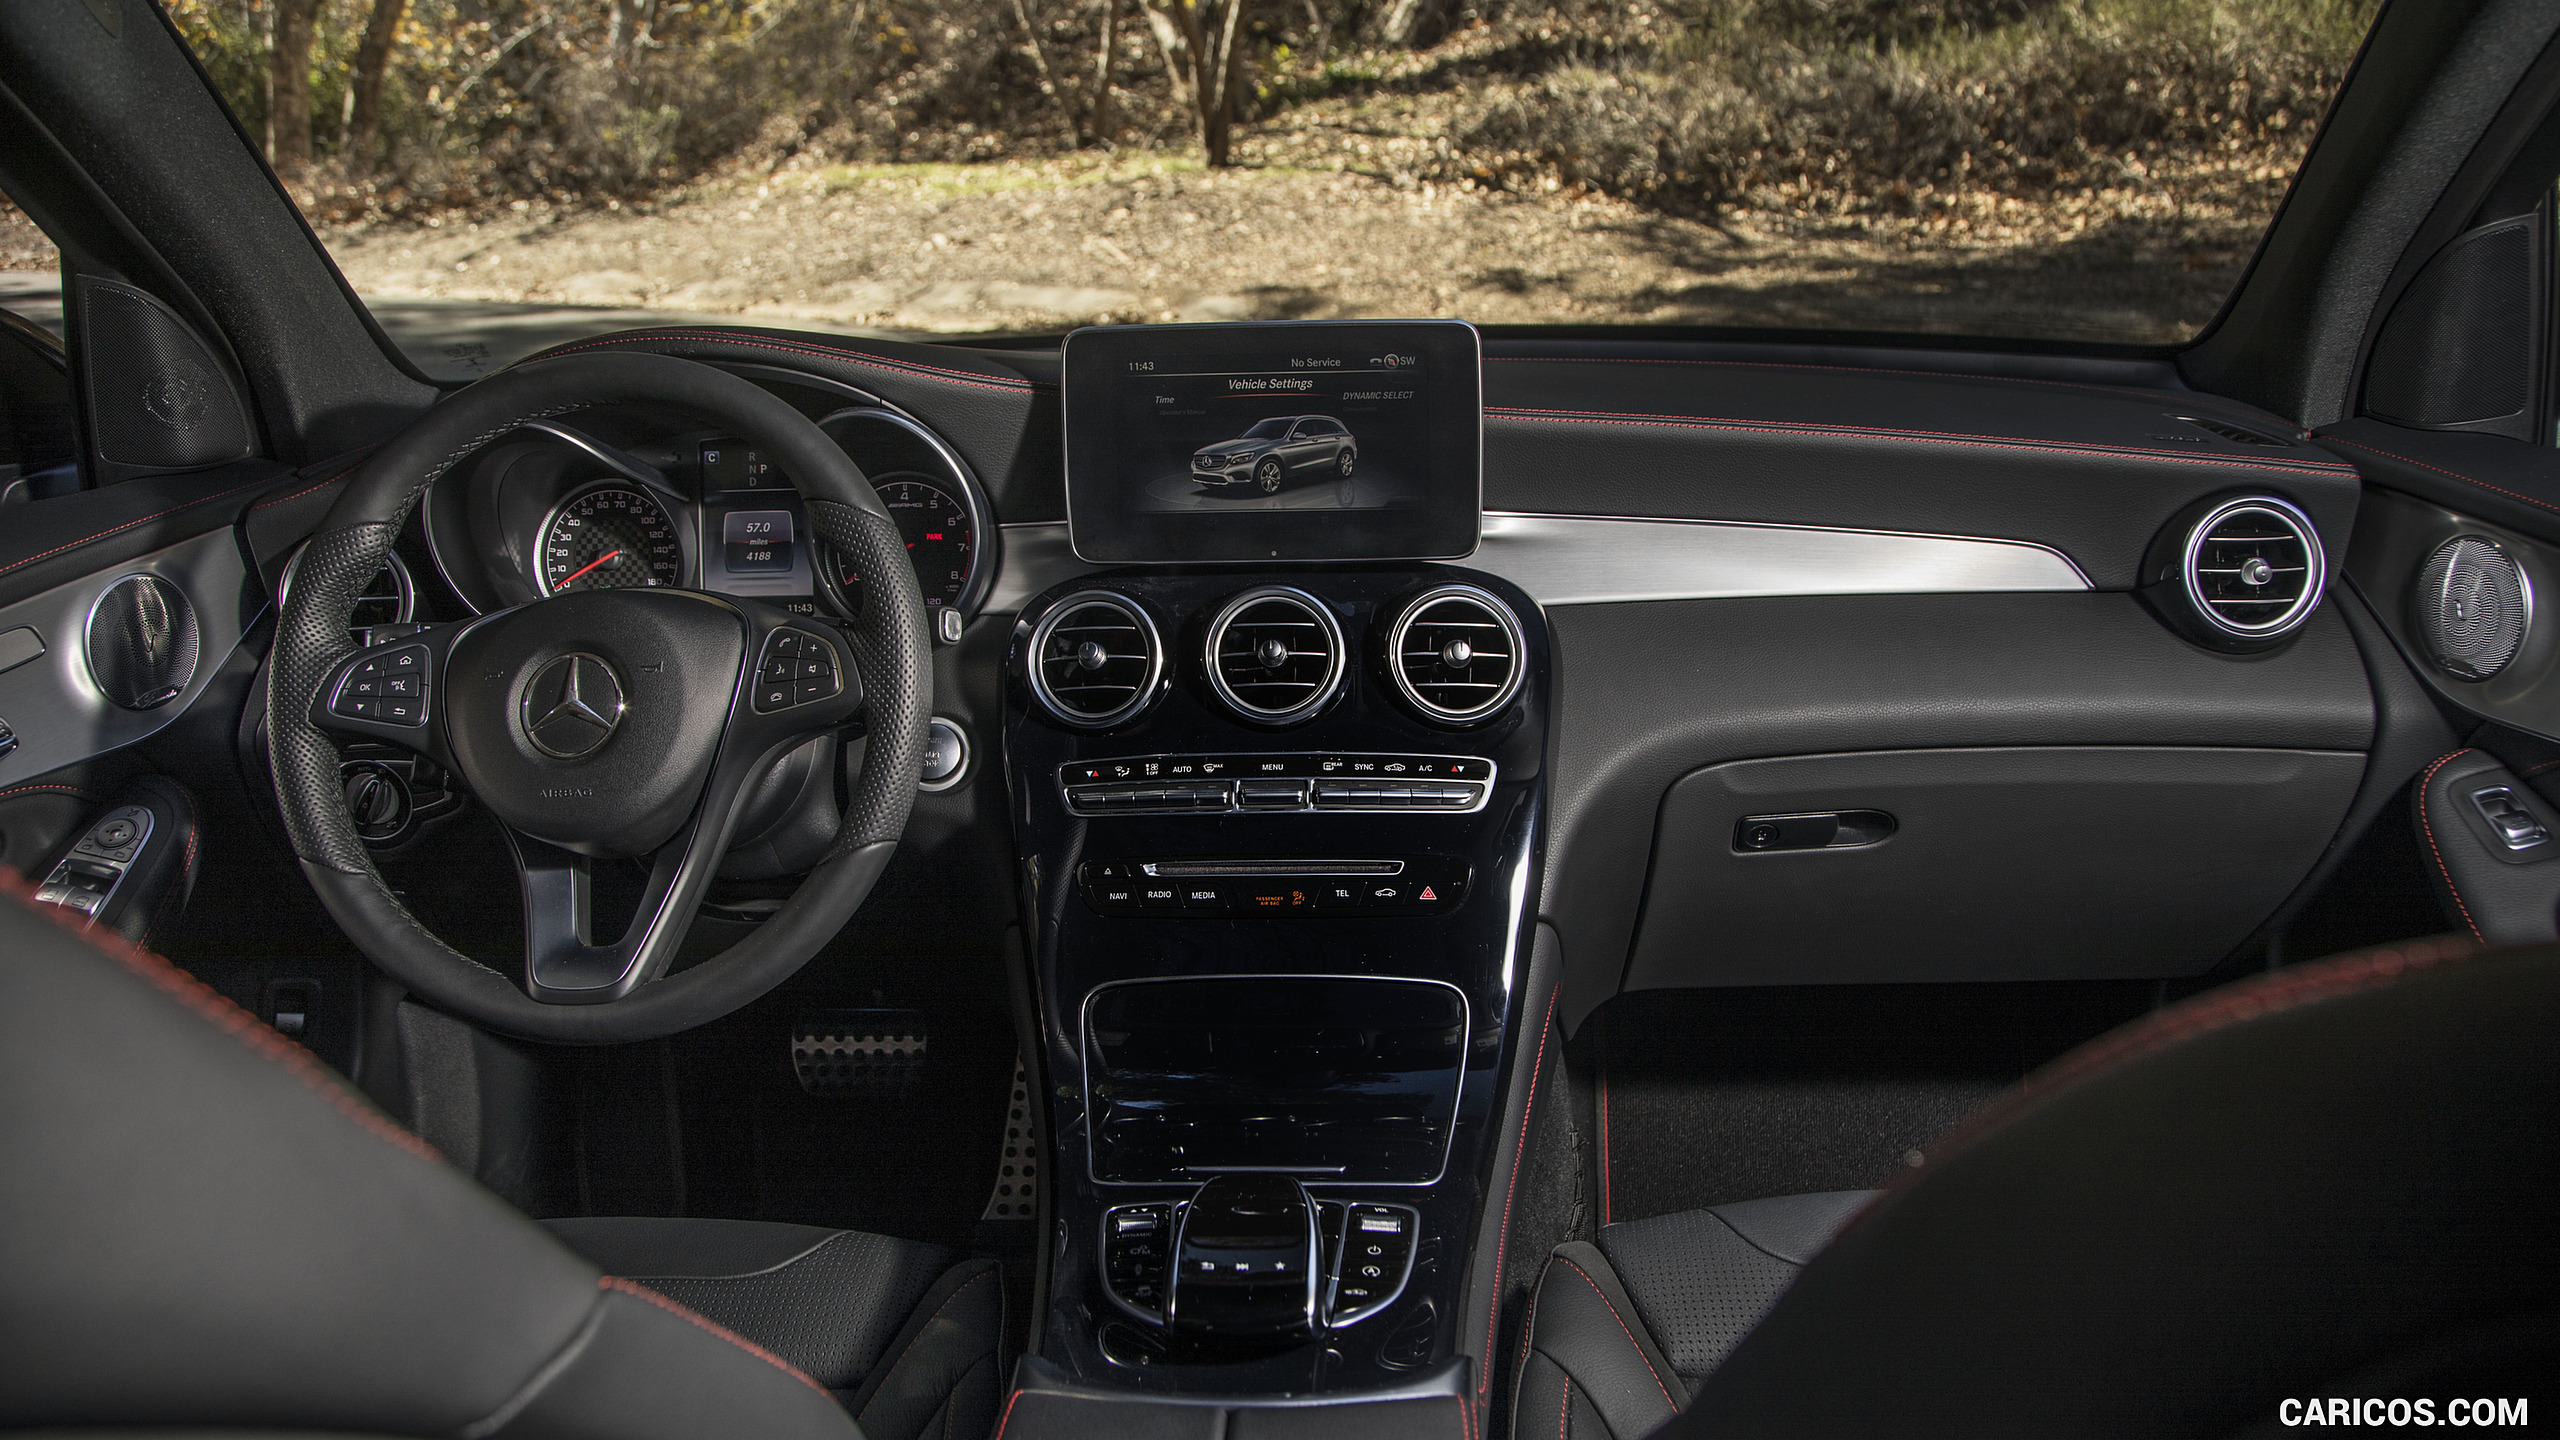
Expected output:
(1275, 655)
(2253, 568)
(1095, 660)
(2473, 604)
(1457, 654)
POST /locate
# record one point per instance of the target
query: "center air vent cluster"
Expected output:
(1096, 660)
(2237, 574)
(1456, 654)
(1275, 655)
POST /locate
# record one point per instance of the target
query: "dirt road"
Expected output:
(1024, 246)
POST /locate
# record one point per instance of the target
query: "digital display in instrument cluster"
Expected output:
(754, 536)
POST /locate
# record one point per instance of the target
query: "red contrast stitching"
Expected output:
(307, 489)
(616, 1282)
(1502, 1243)
(61, 789)
(849, 357)
(947, 1301)
(1916, 437)
(2450, 474)
(2428, 826)
(1604, 1119)
(2163, 396)
(1007, 1417)
(141, 520)
(225, 1016)
(1622, 1326)
(1564, 1411)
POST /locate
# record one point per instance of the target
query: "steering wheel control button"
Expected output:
(572, 705)
(1278, 783)
(390, 687)
(796, 668)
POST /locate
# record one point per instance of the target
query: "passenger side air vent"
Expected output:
(1275, 655)
(2237, 574)
(1095, 660)
(1456, 654)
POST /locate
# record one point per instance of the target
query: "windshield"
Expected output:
(1268, 429)
(496, 174)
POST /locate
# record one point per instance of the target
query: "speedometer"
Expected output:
(939, 537)
(609, 538)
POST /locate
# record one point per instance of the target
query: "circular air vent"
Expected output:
(142, 642)
(390, 598)
(1456, 654)
(1095, 660)
(1275, 654)
(2236, 573)
(2472, 605)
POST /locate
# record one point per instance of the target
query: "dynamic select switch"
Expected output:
(795, 668)
(390, 687)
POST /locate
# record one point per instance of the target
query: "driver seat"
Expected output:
(201, 1225)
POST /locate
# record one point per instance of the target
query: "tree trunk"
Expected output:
(1100, 122)
(364, 98)
(289, 88)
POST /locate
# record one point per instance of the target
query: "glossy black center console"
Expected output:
(1277, 957)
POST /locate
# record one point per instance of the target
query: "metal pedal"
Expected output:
(843, 1053)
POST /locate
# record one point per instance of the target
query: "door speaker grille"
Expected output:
(1457, 654)
(1275, 655)
(1095, 660)
(142, 642)
(2473, 604)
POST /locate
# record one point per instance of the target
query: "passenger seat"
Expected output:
(1621, 1334)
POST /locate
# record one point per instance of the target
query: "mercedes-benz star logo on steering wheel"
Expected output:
(572, 705)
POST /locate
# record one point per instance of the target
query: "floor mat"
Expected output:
(1713, 1096)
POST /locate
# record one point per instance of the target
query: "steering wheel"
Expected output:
(602, 723)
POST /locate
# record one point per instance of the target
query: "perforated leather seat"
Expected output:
(2332, 1180)
(201, 1226)
(1626, 1330)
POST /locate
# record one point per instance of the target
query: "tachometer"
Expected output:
(610, 537)
(940, 540)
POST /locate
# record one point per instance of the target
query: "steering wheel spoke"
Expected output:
(801, 684)
(391, 692)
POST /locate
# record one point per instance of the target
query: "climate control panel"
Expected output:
(1277, 784)
(1414, 885)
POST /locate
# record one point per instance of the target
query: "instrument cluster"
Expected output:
(555, 509)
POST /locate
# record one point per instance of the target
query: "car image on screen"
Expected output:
(1276, 450)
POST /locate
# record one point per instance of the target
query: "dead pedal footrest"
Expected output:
(842, 1053)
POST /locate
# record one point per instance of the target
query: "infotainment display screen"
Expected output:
(1285, 440)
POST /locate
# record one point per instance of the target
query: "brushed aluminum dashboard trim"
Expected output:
(1625, 559)
(1618, 559)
